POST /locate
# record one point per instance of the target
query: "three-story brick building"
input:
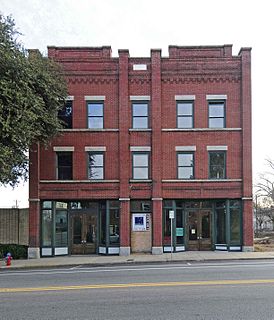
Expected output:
(143, 139)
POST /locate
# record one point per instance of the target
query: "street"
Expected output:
(219, 290)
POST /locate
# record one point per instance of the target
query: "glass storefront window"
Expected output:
(167, 227)
(114, 233)
(140, 206)
(46, 228)
(179, 227)
(221, 226)
(103, 227)
(61, 228)
(235, 226)
(47, 204)
(167, 204)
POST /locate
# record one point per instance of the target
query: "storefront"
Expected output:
(80, 227)
(202, 225)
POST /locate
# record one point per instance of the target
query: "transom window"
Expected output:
(185, 165)
(96, 165)
(140, 115)
(95, 115)
(140, 161)
(217, 165)
(185, 114)
(216, 114)
(64, 165)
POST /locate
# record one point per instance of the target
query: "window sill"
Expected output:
(140, 180)
(79, 181)
(202, 180)
(200, 129)
(89, 130)
(133, 129)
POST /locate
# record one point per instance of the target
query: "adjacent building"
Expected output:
(155, 155)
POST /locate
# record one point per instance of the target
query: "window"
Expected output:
(64, 165)
(96, 165)
(185, 165)
(217, 165)
(140, 115)
(140, 165)
(185, 114)
(95, 115)
(65, 115)
(216, 114)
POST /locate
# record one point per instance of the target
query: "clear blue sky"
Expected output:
(139, 25)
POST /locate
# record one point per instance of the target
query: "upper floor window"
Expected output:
(216, 114)
(140, 115)
(65, 115)
(96, 165)
(185, 165)
(140, 165)
(185, 114)
(95, 115)
(64, 165)
(217, 165)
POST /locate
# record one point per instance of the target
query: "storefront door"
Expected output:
(84, 234)
(199, 230)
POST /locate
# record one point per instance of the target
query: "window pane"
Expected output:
(46, 227)
(140, 173)
(96, 122)
(114, 222)
(96, 173)
(184, 108)
(235, 223)
(217, 165)
(221, 226)
(140, 123)
(65, 115)
(140, 160)
(185, 122)
(217, 158)
(185, 173)
(185, 159)
(95, 109)
(216, 110)
(61, 228)
(97, 160)
(216, 123)
(64, 165)
(140, 109)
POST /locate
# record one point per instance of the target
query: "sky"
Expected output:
(140, 25)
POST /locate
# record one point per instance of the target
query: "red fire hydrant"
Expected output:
(8, 259)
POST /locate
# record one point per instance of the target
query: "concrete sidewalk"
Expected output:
(95, 260)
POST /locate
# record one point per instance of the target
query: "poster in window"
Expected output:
(139, 222)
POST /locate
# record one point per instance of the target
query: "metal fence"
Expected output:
(14, 226)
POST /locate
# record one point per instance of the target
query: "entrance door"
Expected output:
(83, 232)
(199, 230)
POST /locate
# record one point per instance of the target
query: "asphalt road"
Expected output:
(227, 290)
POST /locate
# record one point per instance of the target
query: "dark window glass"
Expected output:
(217, 165)
(114, 221)
(61, 228)
(96, 115)
(65, 115)
(64, 165)
(166, 227)
(103, 226)
(221, 226)
(46, 227)
(185, 114)
(216, 114)
(167, 204)
(140, 206)
(95, 166)
(140, 166)
(140, 115)
(235, 226)
(179, 227)
(185, 165)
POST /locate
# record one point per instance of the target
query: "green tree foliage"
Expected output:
(32, 90)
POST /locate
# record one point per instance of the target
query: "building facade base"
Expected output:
(33, 253)
(124, 251)
(248, 249)
(157, 250)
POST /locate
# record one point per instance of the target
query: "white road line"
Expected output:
(141, 269)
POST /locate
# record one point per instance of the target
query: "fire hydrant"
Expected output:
(8, 259)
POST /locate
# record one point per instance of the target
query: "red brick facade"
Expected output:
(187, 71)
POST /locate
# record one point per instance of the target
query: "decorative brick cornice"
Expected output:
(90, 79)
(201, 79)
(139, 81)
